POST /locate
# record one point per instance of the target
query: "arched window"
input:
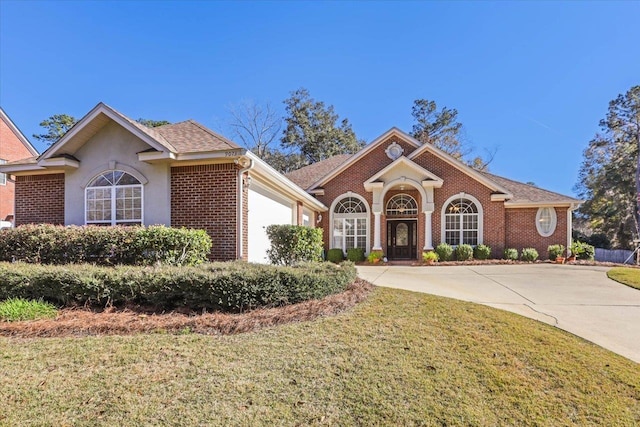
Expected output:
(462, 222)
(350, 223)
(402, 204)
(546, 221)
(112, 198)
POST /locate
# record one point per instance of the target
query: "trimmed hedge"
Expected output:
(444, 251)
(355, 254)
(511, 254)
(292, 244)
(335, 255)
(55, 244)
(464, 252)
(529, 254)
(233, 286)
(482, 252)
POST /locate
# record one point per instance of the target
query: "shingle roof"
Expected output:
(522, 193)
(190, 136)
(183, 137)
(308, 175)
(526, 193)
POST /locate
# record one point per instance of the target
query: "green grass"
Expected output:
(16, 309)
(400, 358)
(626, 276)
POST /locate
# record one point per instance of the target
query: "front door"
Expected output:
(401, 239)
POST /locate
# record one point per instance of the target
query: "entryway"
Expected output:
(402, 239)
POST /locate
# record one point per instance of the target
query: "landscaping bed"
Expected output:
(133, 320)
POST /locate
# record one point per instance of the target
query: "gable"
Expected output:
(373, 156)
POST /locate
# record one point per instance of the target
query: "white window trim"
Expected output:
(113, 220)
(458, 196)
(553, 225)
(366, 215)
(386, 208)
(3, 176)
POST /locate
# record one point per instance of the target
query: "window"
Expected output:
(546, 221)
(350, 224)
(113, 198)
(462, 222)
(3, 176)
(402, 204)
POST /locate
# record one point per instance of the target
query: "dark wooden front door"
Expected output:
(401, 239)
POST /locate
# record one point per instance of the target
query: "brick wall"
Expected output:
(501, 227)
(353, 180)
(456, 182)
(521, 231)
(11, 148)
(204, 197)
(39, 199)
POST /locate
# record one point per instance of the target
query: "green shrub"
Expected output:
(231, 286)
(555, 251)
(355, 254)
(375, 256)
(464, 252)
(51, 244)
(430, 256)
(292, 244)
(482, 252)
(511, 253)
(583, 250)
(17, 309)
(444, 251)
(529, 254)
(335, 255)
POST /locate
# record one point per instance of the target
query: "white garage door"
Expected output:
(264, 209)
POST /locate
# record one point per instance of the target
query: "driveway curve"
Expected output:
(579, 299)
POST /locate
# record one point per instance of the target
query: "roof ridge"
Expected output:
(524, 183)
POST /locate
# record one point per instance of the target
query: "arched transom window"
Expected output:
(461, 220)
(402, 204)
(350, 224)
(112, 198)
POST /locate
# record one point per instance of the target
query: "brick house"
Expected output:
(402, 197)
(395, 195)
(111, 170)
(13, 146)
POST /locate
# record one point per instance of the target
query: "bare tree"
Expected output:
(256, 126)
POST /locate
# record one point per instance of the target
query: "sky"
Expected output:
(530, 80)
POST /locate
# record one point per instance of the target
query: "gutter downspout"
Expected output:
(240, 205)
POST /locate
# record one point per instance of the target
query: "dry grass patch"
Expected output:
(399, 358)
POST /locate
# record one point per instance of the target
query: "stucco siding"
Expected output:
(113, 147)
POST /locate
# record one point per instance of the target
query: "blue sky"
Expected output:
(531, 79)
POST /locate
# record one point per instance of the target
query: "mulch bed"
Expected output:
(112, 321)
(416, 263)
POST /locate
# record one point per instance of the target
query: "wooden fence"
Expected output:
(614, 255)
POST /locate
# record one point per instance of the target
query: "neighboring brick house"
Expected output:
(111, 170)
(13, 146)
(401, 197)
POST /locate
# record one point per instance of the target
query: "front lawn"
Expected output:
(400, 358)
(626, 276)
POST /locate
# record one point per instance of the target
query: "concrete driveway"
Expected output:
(578, 299)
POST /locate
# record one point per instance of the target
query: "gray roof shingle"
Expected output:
(305, 177)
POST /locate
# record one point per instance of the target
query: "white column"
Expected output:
(428, 242)
(377, 245)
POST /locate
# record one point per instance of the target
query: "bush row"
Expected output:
(446, 252)
(51, 244)
(236, 286)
